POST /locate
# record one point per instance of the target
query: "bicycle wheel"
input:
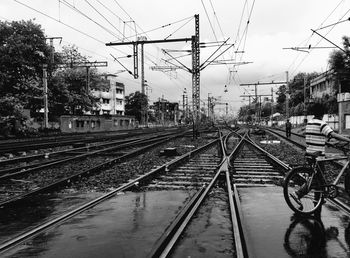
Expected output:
(297, 180)
(347, 181)
(305, 237)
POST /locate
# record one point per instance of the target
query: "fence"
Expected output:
(332, 120)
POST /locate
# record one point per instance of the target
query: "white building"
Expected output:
(323, 84)
(111, 96)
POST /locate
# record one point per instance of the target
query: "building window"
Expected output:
(105, 112)
(105, 101)
(347, 121)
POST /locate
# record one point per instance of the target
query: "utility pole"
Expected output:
(271, 105)
(52, 50)
(209, 107)
(196, 67)
(255, 88)
(45, 90)
(147, 94)
(184, 104)
(187, 111)
(46, 109)
(196, 73)
(287, 96)
(87, 65)
(305, 111)
(141, 41)
(257, 103)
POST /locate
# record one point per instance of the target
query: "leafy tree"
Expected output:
(68, 93)
(23, 51)
(133, 104)
(339, 61)
(296, 94)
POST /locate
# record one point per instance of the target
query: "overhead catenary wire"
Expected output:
(307, 41)
(65, 24)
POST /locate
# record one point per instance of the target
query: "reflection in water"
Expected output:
(138, 212)
(307, 237)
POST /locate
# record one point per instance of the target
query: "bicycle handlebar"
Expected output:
(343, 146)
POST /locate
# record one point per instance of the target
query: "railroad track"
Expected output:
(19, 185)
(171, 210)
(153, 177)
(22, 147)
(33, 163)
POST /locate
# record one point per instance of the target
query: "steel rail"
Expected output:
(247, 252)
(336, 202)
(80, 156)
(270, 156)
(41, 155)
(237, 233)
(55, 142)
(167, 247)
(167, 242)
(78, 175)
(234, 152)
(36, 166)
(20, 159)
(168, 234)
(136, 182)
(301, 146)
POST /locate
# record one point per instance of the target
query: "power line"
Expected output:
(87, 17)
(104, 17)
(309, 38)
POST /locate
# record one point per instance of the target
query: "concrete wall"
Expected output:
(332, 120)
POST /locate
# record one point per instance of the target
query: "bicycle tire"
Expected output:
(305, 237)
(311, 201)
(347, 181)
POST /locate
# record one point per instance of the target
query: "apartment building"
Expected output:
(323, 84)
(111, 96)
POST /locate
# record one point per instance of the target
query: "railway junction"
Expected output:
(165, 195)
(147, 139)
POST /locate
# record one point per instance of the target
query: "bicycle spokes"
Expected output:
(303, 190)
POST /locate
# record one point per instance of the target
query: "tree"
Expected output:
(133, 104)
(339, 61)
(296, 94)
(68, 93)
(23, 51)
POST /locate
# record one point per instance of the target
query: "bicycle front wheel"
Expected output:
(308, 186)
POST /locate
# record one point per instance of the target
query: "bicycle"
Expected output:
(311, 183)
(308, 237)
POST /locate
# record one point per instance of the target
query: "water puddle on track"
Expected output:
(124, 226)
(274, 231)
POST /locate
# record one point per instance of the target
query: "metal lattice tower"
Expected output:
(196, 71)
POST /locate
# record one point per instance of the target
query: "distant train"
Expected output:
(93, 123)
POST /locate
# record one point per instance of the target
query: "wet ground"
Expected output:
(209, 234)
(124, 226)
(274, 231)
(38, 209)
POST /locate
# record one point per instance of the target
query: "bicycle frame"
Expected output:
(345, 166)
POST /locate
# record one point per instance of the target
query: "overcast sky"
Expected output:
(273, 25)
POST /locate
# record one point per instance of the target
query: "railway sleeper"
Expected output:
(189, 178)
